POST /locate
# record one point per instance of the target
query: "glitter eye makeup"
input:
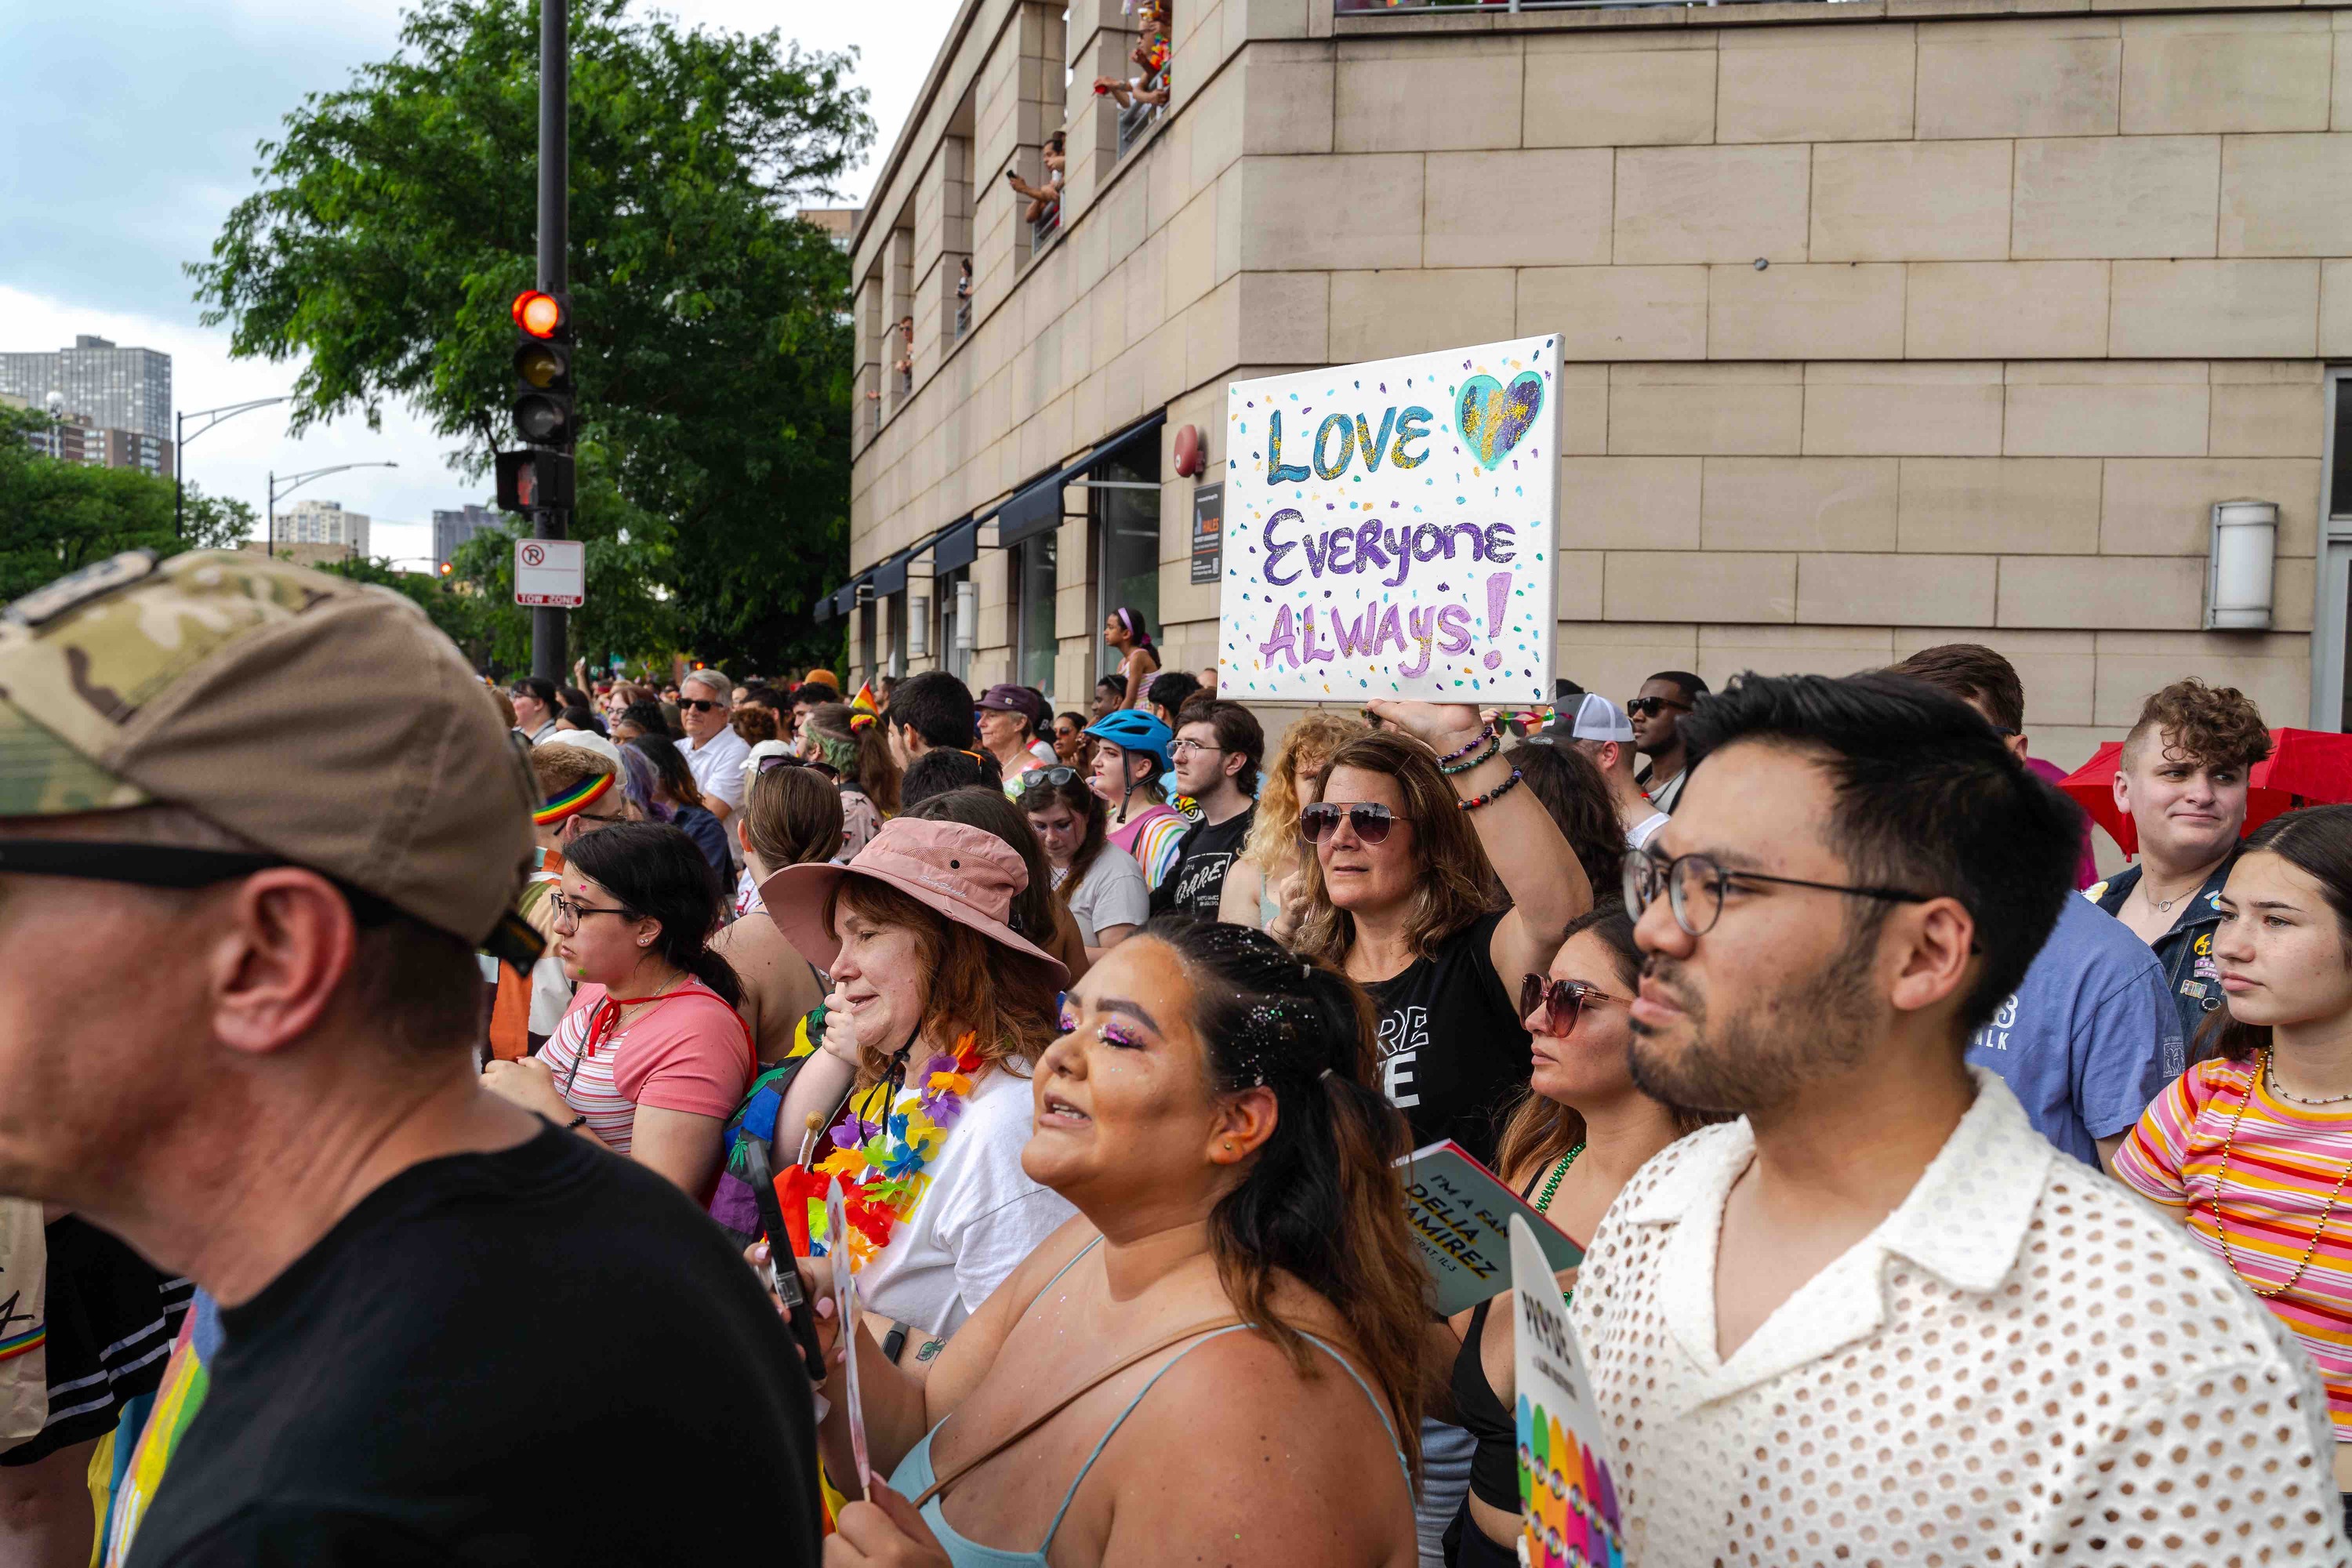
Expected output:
(1116, 1034)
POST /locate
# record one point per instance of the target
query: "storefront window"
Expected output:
(1123, 496)
(1034, 580)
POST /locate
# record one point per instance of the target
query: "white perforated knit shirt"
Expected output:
(2023, 1363)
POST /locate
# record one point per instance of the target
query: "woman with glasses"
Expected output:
(1273, 856)
(1415, 823)
(652, 1057)
(681, 798)
(1576, 1137)
(853, 747)
(1099, 883)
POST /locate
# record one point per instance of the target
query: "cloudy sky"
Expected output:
(130, 134)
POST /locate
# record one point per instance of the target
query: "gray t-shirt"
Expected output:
(2091, 1034)
(1113, 893)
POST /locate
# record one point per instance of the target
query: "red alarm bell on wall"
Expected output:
(1190, 458)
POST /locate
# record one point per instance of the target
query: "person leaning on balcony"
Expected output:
(1047, 197)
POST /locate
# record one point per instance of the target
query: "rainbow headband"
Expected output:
(573, 801)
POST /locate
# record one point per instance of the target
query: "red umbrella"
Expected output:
(2305, 767)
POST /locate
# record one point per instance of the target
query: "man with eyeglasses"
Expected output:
(714, 751)
(536, 707)
(1217, 758)
(281, 1100)
(1879, 1307)
(1657, 712)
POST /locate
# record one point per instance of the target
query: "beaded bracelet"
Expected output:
(1485, 734)
(1494, 749)
(1491, 796)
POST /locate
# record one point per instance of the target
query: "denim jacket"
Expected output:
(2186, 951)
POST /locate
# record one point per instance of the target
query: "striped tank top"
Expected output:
(2285, 1160)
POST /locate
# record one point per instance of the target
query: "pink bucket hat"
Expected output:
(966, 875)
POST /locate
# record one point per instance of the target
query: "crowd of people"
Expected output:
(1937, 1200)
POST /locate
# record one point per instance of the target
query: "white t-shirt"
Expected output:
(1044, 752)
(717, 765)
(980, 1217)
(1113, 893)
(1641, 833)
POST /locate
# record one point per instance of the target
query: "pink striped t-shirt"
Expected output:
(690, 1051)
(2283, 1161)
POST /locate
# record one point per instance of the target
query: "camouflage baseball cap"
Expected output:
(326, 720)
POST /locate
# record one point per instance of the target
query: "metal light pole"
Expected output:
(180, 439)
(296, 481)
(548, 631)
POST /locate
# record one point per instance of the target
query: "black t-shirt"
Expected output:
(543, 1355)
(1203, 856)
(1452, 1054)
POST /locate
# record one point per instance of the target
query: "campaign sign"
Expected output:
(1568, 1501)
(1389, 529)
(1459, 1211)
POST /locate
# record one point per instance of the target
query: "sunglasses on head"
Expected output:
(1563, 1001)
(1046, 778)
(1371, 821)
(700, 705)
(1649, 707)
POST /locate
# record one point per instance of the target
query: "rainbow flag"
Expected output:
(866, 702)
(176, 1400)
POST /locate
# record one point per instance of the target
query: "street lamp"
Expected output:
(180, 439)
(296, 481)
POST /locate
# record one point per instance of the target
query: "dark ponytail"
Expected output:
(657, 873)
(1322, 1201)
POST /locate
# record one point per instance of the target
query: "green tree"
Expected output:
(395, 223)
(460, 613)
(56, 518)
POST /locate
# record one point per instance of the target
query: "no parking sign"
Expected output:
(550, 573)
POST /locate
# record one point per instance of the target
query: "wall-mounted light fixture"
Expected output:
(918, 627)
(2239, 566)
(967, 617)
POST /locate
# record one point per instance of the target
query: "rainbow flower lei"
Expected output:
(881, 1162)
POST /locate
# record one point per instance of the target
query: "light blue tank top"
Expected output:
(914, 1476)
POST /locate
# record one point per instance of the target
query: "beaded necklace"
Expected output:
(1558, 1170)
(2261, 1069)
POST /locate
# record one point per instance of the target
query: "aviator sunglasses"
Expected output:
(1370, 820)
(1563, 1001)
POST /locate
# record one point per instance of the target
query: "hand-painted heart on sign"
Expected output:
(1491, 417)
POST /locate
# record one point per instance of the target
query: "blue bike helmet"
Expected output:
(1133, 730)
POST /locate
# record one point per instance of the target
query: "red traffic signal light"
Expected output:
(532, 478)
(542, 314)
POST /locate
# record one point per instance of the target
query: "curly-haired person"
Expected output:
(2182, 781)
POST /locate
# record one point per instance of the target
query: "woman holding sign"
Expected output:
(1217, 1361)
(1578, 1136)
(1407, 847)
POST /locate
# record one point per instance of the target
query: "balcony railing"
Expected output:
(1043, 229)
(962, 318)
(1139, 116)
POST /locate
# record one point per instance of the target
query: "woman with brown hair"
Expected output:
(853, 747)
(791, 818)
(1577, 1136)
(1417, 823)
(677, 790)
(1100, 884)
(1224, 1345)
(938, 1010)
(1271, 858)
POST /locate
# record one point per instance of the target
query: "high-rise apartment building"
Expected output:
(452, 529)
(323, 522)
(78, 438)
(116, 388)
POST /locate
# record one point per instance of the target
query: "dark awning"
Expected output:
(822, 611)
(891, 575)
(1037, 505)
(959, 546)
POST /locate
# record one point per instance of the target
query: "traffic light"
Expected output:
(543, 412)
(532, 476)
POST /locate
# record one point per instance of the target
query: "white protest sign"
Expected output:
(1389, 529)
(551, 571)
(1568, 1501)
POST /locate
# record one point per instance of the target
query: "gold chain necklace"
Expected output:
(2261, 1069)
